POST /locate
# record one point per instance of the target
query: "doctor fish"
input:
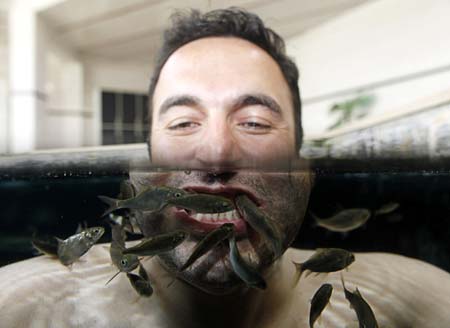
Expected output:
(387, 208)
(324, 260)
(203, 203)
(72, 248)
(319, 301)
(150, 199)
(345, 220)
(248, 274)
(259, 221)
(123, 262)
(210, 241)
(364, 312)
(140, 285)
(157, 244)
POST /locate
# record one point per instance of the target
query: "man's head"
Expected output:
(228, 23)
(220, 99)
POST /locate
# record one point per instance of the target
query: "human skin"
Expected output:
(41, 292)
(230, 108)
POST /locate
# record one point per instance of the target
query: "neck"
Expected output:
(187, 306)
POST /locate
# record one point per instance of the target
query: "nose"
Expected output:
(218, 149)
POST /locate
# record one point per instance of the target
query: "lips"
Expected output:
(225, 191)
(202, 223)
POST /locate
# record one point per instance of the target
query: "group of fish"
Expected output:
(326, 260)
(349, 219)
(154, 199)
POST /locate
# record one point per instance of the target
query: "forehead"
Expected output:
(221, 67)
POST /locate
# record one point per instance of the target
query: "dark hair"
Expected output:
(191, 26)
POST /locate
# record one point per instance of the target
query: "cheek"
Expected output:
(171, 151)
(273, 148)
(288, 201)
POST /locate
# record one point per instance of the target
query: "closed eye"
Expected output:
(183, 126)
(255, 126)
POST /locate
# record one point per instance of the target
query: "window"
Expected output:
(124, 118)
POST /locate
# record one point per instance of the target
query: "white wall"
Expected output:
(377, 41)
(3, 81)
(61, 118)
(111, 75)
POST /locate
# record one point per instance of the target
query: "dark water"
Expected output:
(419, 228)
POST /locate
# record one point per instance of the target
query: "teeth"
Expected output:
(198, 216)
(230, 215)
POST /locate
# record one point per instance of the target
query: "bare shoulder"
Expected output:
(403, 292)
(42, 288)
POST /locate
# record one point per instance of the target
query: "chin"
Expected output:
(214, 279)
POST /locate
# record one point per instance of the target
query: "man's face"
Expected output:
(222, 103)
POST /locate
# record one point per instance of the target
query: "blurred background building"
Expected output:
(75, 73)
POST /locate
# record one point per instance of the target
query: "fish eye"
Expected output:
(177, 194)
(124, 262)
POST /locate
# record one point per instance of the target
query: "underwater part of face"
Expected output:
(283, 197)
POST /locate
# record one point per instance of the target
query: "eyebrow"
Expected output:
(241, 101)
(180, 100)
(258, 99)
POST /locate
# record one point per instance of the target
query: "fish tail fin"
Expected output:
(312, 321)
(342, 280)
(298, 273)
(111, 202)
(316, 219)
(59, 241)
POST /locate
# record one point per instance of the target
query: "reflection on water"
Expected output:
(419, 227)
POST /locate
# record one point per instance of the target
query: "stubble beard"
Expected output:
(284, 196)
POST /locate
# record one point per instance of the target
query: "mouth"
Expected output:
(202, 223)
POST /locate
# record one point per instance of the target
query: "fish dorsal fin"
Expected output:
(81, 226)
(320, 250)
(59, 240)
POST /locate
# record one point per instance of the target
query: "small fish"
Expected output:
(45, 244)
(365, 315)
(318, 303)
(210, 241)
(259, 221)
(158, 244)
(126, 217)
(143, 272)
(140, 285)
(123, 262)
(72, 248)
(203, 203)
(242, 269)
(325, 260)
(387, 208)
(150, 199)
(345, 220)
